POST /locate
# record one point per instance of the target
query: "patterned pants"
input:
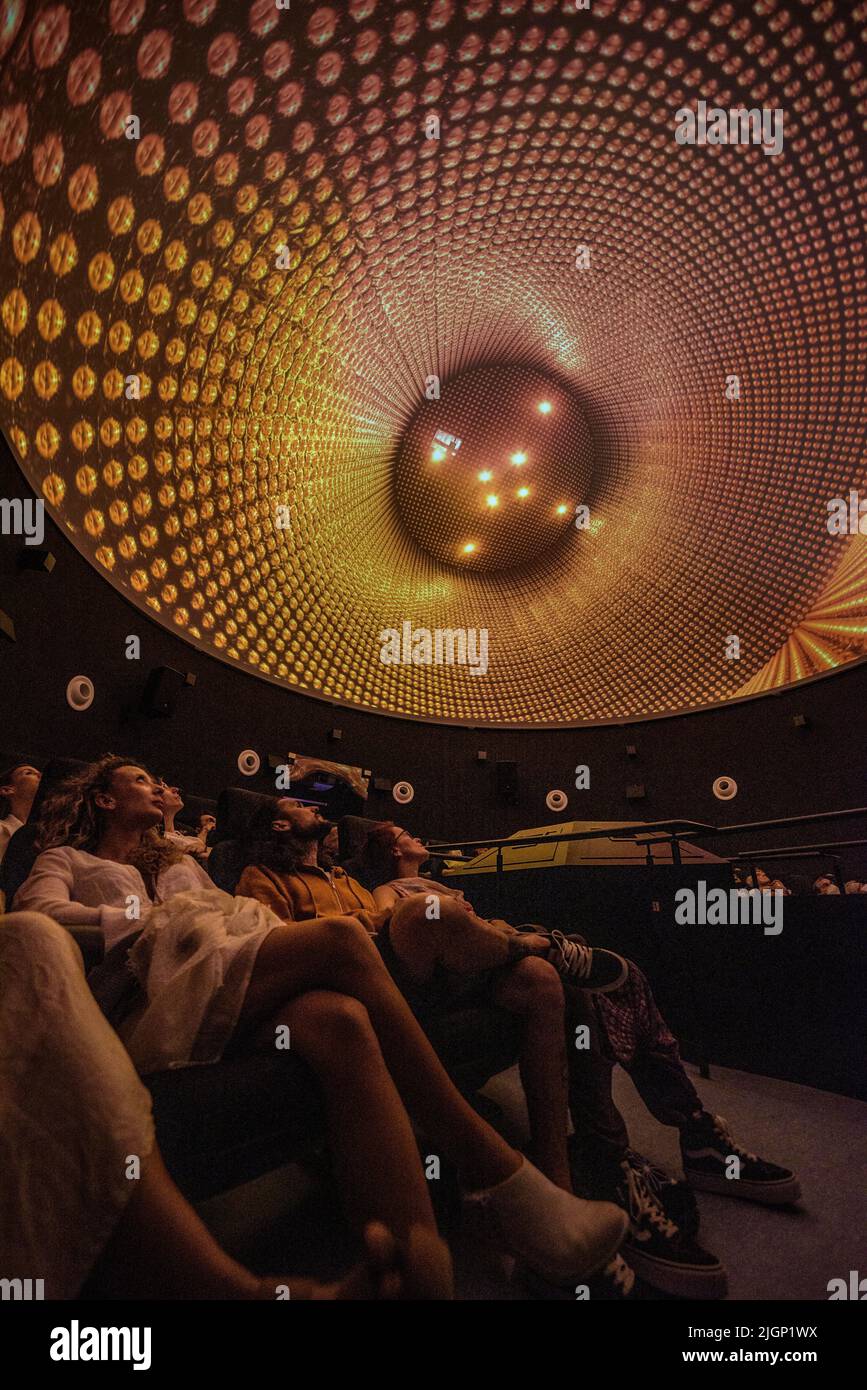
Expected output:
(624, 1026)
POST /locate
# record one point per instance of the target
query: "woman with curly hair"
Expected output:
(216, 971)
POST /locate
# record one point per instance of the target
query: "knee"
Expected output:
(534, 984)
(35, 932)
(331, 1027)
(347, 937)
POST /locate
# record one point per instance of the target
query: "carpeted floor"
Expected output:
(784, 1254)
(787, 1254)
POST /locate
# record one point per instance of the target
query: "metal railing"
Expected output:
(670, 832)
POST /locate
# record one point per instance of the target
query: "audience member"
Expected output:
(74, 1114)
(825, 886)
(625, 1026)
(429, 956)
(189, 844)
(215, 971)
(18, 787)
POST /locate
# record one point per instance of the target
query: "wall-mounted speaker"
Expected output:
(556, 801)
(403, 792)
(248, 762)
(506, 782)
(725, 788)
(80, 693)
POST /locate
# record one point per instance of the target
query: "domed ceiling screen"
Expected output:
(495, 362)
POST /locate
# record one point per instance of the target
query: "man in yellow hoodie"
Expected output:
(491, 960)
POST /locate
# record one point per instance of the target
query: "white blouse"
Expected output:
(76, 888)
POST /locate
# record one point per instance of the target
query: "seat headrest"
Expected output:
(352, 833)
(54, 774)
(235, 808)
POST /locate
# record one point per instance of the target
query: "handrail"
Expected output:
(665, 828)
(672, 830)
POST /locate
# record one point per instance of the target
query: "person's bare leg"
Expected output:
(160, 1249)
(532, 990)
(336, 953)
(370, 1139)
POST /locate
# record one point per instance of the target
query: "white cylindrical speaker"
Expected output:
(724, 788)
(556, 801)
(248, 762)
(403, 792)
(80, 692)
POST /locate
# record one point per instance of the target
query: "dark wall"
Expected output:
(72, 622)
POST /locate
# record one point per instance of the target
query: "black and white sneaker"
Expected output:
(660, 1253)
(708, 1148)
(674, 1195)
(588, 967)
(616, 1283)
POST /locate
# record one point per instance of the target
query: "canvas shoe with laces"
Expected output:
(588, 967)
(660, 1253)
(708, 1147)
(674, 1195)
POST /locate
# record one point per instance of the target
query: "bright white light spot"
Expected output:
(519, 458)
(492, 501)
(545, 407)
(523, 492)
(485, 476)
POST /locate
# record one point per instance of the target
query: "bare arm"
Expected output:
(384, 897)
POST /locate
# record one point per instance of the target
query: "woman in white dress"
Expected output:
(215, 970)
(86, 1199)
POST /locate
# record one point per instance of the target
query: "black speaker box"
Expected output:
(160, 692)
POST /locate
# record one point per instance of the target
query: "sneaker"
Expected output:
(660, 1253)
(707, 1147)
(674, 1195)
(587, 967)
(559, 1236)
(616, 1283)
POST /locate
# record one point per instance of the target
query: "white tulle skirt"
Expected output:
(193, 960)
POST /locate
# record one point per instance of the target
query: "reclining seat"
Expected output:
(235, 808)
(21, 851)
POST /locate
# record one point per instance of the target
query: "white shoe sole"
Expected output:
(768, 1194)
(672, 1277)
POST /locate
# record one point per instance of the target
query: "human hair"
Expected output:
(71, 816)
(5, 778)
(377, 855)
(260, 845)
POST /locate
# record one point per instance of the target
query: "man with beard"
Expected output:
(508, 968)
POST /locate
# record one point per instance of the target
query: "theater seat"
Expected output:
(225, 1124)
(235, 808)
(21, 850)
